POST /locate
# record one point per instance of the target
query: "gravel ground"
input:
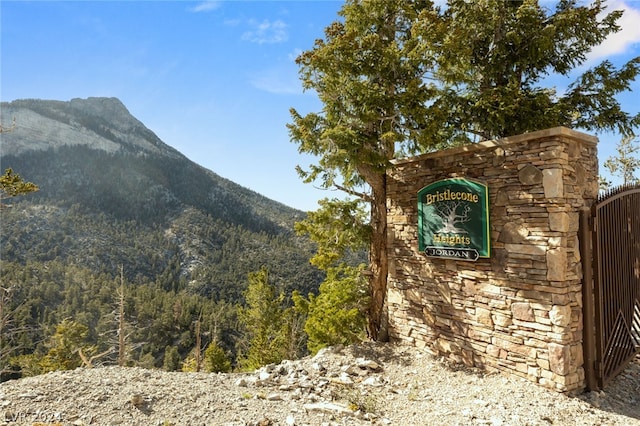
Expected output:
(368, 384)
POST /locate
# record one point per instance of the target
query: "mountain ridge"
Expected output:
(104, 178)
(107, 125)
(96, 123)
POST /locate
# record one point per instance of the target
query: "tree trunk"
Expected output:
(198, 350)
(378, 260)
(121, 323)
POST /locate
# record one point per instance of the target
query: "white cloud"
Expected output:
(266, 32)
(279, 80)
(206, 6)
(623, 40)
(232, 22)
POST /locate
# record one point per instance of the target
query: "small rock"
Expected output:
(368, 364)
(28, 395)
(328, 407)
(344, 379)
(318, 367)
(354, 370)
(373, 381)
(137, 400)
(274, 397)
(269, 368)
(496, 421)
(264, 376)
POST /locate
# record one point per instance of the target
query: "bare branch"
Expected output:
(88, 362)
(364, 196)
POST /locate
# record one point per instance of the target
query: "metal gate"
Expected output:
(611, 290)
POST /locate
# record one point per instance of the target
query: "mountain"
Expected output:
(112, 193)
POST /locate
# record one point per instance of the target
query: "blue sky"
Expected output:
(214, 80)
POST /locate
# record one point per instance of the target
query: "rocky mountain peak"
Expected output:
(111, 109)
(96, 122)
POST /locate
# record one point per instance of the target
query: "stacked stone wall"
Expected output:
(519, 311)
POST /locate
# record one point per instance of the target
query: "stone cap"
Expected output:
(503, 142)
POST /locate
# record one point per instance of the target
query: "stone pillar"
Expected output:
(518, 311)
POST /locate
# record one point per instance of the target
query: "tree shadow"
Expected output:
(382, 353)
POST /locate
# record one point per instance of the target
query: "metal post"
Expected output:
(588, 312)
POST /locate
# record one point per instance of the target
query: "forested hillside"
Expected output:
(113, 197)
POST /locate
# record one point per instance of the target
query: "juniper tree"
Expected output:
(398, 77)
(337, 314)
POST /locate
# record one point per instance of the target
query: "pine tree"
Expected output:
(625, 163)
(10, 329)
(264, 320)
(215, 359)
(172, 360)
(64, 346)
(12, 185)
(337, 314)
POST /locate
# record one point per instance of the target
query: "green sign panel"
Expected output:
(453, 220)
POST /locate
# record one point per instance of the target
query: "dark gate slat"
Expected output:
(616, 281)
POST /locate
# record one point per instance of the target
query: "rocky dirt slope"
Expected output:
(369, 384)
